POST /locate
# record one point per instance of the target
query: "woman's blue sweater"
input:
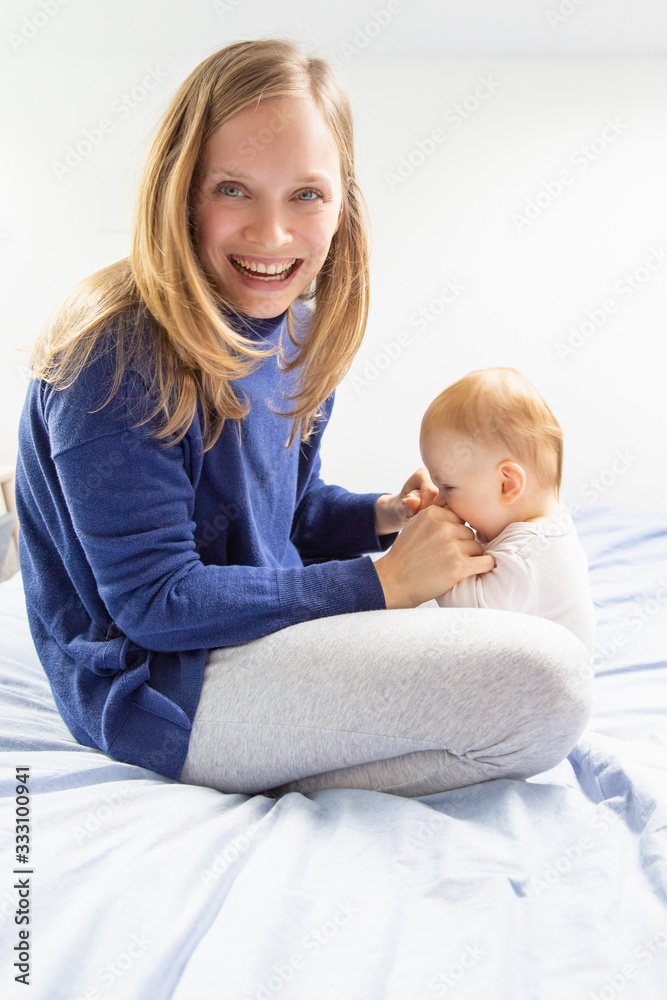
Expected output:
(138, 558)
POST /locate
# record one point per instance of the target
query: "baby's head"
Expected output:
(494, 449)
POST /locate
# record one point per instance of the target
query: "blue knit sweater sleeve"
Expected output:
(129, 510)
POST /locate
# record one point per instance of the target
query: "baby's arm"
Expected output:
(509, 587)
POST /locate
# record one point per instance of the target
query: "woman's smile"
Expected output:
(260, 271)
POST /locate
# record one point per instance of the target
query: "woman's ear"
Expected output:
(512, 481)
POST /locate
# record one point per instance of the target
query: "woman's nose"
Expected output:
(268, 227)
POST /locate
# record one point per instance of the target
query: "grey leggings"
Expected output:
(409, 702)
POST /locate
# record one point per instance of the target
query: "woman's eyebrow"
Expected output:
(313, 177)
(230, 171)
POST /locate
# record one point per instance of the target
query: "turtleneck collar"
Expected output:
(250, 326)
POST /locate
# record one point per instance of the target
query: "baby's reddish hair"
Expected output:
(499, 406)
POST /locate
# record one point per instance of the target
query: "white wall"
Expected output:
(457, 217)
(554, 87)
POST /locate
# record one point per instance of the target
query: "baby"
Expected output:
(494, 449)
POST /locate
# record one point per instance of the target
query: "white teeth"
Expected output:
(259, 268)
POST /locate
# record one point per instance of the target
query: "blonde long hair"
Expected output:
(197, 353)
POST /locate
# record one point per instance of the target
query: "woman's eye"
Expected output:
(308, 195)
(231, 190)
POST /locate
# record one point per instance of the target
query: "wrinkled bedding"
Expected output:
(553, 888)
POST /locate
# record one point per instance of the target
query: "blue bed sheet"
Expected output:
(549, 889)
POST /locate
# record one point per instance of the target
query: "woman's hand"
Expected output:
(433, 552)
(392, 513)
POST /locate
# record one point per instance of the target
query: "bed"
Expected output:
(553, 888)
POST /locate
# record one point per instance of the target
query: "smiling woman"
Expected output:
(264, 231)
(193, 586)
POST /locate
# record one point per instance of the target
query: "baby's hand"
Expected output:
(412, 502)
(418, 492)
(392, 513)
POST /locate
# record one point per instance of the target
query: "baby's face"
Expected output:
(467, 479)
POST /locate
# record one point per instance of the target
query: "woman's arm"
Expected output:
(137, 536)
(110, 510)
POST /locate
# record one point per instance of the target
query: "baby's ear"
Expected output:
(512, 481)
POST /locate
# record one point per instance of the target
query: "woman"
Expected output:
(195, 591)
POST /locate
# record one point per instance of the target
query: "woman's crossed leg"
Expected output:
(410, 702)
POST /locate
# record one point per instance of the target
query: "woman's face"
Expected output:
(268, 203)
